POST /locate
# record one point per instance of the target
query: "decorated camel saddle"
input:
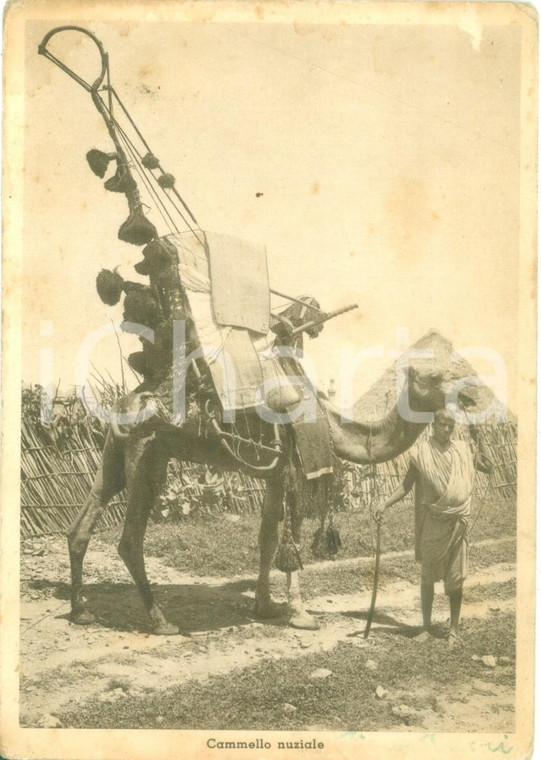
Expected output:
(210, 344)
(207, 307)
(210, 294)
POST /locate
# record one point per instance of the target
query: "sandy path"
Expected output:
(59, 660)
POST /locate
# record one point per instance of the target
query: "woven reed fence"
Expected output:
(58, 464)
(56, 477)
(367, 484)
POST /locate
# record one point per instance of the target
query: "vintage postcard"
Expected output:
(269, 380)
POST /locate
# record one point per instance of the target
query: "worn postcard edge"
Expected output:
(16, 742)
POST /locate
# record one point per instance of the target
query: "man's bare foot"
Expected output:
(423, 636)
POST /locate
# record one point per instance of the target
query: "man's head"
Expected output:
(299, 314)
(444, 424)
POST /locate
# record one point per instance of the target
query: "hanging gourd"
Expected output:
(109, 286)
(137, 229)
(121, 181)
(166, 181)
(150, 161)
(99, 161)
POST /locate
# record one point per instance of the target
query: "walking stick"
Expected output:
(375, 588)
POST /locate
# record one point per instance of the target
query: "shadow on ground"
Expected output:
(389, 624)
(193, 607)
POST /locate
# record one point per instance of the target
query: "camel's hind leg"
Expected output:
(268, 541)
(299, 617)
(109, 481)
(146, 468)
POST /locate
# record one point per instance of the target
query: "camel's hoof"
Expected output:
(268, 610)
(82, 617)
(305, 621)
(166, 629)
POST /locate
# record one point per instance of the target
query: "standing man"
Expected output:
(443, 473)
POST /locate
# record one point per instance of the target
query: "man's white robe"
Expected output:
(444, 486)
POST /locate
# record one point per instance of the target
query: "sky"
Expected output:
(379, 165)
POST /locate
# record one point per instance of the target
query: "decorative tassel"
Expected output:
(316, 542)
(137, 229)
(150, 161)
(326, 544)
(166, 181)
(121, 181)
(332, 536)
(288, 557)
(160, 253)
(99, 161)
(109, 286)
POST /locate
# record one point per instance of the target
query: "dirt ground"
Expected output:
(64, 666)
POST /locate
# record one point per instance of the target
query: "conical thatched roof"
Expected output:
(383, 394)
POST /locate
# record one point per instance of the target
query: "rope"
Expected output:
(161, 208)
(137, 158)
(140, 171)
(107, 113)
(110, 99)
(157, 195)
(138, 161)
(128, 116)
(135, 127)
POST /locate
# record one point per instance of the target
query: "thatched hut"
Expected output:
(431, 348)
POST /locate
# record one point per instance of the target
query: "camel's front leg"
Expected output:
(109, 481)
(146, 467)
(299, 617)
(268, 541)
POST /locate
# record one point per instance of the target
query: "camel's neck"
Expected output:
(378, 441)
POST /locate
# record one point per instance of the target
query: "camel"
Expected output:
(138, 460)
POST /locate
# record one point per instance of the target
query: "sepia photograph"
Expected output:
(269, 399)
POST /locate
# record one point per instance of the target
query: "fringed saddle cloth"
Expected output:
(226, 282)
(309, 487)
(313, 446)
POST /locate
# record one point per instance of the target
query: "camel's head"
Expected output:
(441, 380)
(428, 382)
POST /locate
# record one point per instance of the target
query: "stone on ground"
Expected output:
(288, 708)
(321, 673)
(404, 712)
